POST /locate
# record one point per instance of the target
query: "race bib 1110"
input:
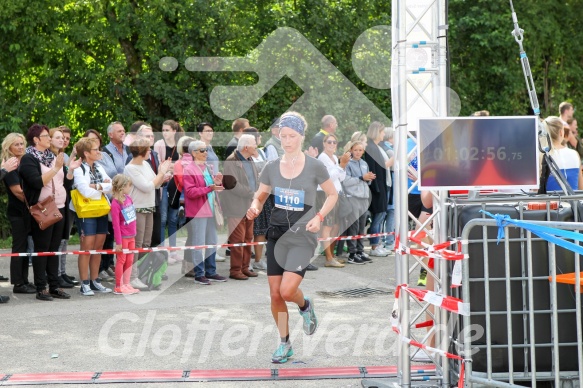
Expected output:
(289, 199)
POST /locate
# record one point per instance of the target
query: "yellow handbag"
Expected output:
(90, 208)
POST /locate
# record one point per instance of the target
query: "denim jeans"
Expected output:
(170, 216)
(203, 231)
(390, 226)
(375, 226)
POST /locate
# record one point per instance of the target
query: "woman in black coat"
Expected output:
(8, 166)
(378, 162)
(43, 173)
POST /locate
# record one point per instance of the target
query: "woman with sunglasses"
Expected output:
(200, 204)
(295, 221)
(92, 182)
(336, 169)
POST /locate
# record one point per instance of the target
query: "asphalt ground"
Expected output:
(186, 326)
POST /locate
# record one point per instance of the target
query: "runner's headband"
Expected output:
(292, 122)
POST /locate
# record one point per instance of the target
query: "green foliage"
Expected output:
(485, 66)
(86, 63)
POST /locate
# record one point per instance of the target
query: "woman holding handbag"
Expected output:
(201, 207)
(92, 182)
(43, 176)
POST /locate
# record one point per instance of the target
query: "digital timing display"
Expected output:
(478, 153)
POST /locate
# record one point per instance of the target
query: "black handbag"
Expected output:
(173, 194)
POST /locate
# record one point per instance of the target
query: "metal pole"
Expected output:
(399, 21)
(440, 31)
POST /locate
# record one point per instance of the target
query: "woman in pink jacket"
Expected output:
(200, 188)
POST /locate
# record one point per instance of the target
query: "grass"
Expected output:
(7, 243)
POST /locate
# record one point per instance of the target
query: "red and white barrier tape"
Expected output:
(428, 349)
(173, 249)
(437, 251)
(448, 303)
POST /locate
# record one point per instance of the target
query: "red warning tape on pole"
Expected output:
(428, 349)
(173, 249)
(448, 303)
(437, 251)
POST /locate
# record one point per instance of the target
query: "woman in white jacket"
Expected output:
(91, 181)
(337, 174)
(145, 182)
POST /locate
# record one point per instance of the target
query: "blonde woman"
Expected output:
(92, 182)
(295, 221)
(567, 159)
(13, 148)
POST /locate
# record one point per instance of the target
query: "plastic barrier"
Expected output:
(532, 327)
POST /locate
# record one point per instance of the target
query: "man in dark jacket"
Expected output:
(240, 180)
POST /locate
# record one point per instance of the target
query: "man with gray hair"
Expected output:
(118, 152)
(329, 125)
(240, 181)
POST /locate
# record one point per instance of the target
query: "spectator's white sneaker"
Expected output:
(385, 250)
(86, 290)
(260, 265)
(219, 258)
(137, 283)
(103, 275)
(96, 286)
(378, 252)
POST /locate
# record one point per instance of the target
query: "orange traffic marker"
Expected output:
(569, 278)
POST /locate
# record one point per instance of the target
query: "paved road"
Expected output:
(186, 326)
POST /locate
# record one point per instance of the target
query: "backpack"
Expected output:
(151, 268)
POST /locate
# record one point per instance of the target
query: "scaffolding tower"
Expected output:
(419, 90)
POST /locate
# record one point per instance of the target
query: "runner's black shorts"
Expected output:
(288, 251)
(416, 206)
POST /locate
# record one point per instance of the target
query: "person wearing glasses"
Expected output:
(336, 169)
(92, 182)
(107, 266)
(42, 174)
(206, 132)
(200, 204)
(145, 182)
(295, 221)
